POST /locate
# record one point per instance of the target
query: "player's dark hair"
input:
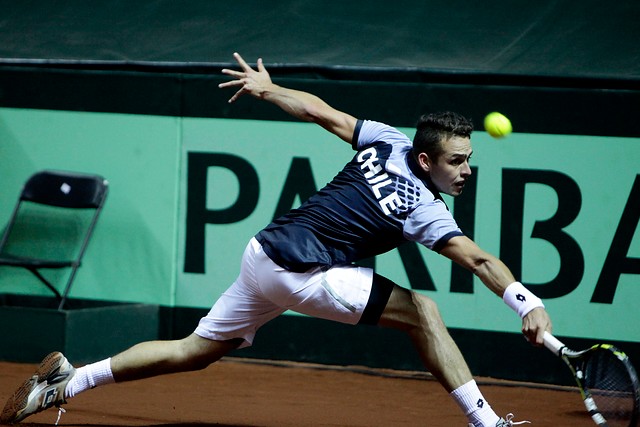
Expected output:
(433, 128)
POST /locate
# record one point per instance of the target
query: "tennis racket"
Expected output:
(607, 381)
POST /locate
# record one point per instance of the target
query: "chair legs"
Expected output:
(48, 285)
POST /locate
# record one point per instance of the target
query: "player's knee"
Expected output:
(410, 311)
(194, 353)
(429, 321)
(427, 309)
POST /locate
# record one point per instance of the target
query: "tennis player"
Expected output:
(388, 194)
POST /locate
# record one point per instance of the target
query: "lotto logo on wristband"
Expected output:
(520, 299)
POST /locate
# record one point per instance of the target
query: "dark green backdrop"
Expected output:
(552, 66)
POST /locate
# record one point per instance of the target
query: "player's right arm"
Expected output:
(302, 105)
(496, 276)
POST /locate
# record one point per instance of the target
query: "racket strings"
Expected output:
(611, 386)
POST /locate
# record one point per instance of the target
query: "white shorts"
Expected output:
(264, 290)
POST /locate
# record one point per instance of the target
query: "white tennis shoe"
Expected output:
(42, 391)
(507, 422)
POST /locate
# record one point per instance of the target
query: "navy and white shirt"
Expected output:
(379, 200)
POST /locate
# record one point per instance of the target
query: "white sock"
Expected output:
(88, 377)
(474, 405)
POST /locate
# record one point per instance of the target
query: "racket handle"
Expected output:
(553, 344)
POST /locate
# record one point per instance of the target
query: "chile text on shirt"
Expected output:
(378, 178)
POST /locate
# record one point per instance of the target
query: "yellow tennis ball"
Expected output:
(497, 125)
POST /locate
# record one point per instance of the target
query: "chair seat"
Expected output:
(26, 262)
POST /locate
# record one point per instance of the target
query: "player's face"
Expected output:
(449, 174)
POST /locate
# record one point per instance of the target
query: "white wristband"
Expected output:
(520, 299)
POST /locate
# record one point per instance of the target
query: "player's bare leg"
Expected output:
(420, 318)
(56, 380)
(152, 358)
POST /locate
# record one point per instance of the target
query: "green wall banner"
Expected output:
(561, 210)
(188, 193)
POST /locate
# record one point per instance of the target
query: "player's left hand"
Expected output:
(251, 82)
(534, 324)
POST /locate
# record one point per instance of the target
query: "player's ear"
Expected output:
(424, 161)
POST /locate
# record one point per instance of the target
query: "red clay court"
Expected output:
(246, 392)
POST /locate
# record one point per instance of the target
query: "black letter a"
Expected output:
(616, 262)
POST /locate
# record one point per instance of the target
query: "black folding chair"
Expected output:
(52, 223)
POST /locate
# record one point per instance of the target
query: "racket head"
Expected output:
(609, 384)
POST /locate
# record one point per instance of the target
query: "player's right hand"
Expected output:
(534, 324)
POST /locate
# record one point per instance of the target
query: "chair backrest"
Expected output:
(58, 190)
(65, 189)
